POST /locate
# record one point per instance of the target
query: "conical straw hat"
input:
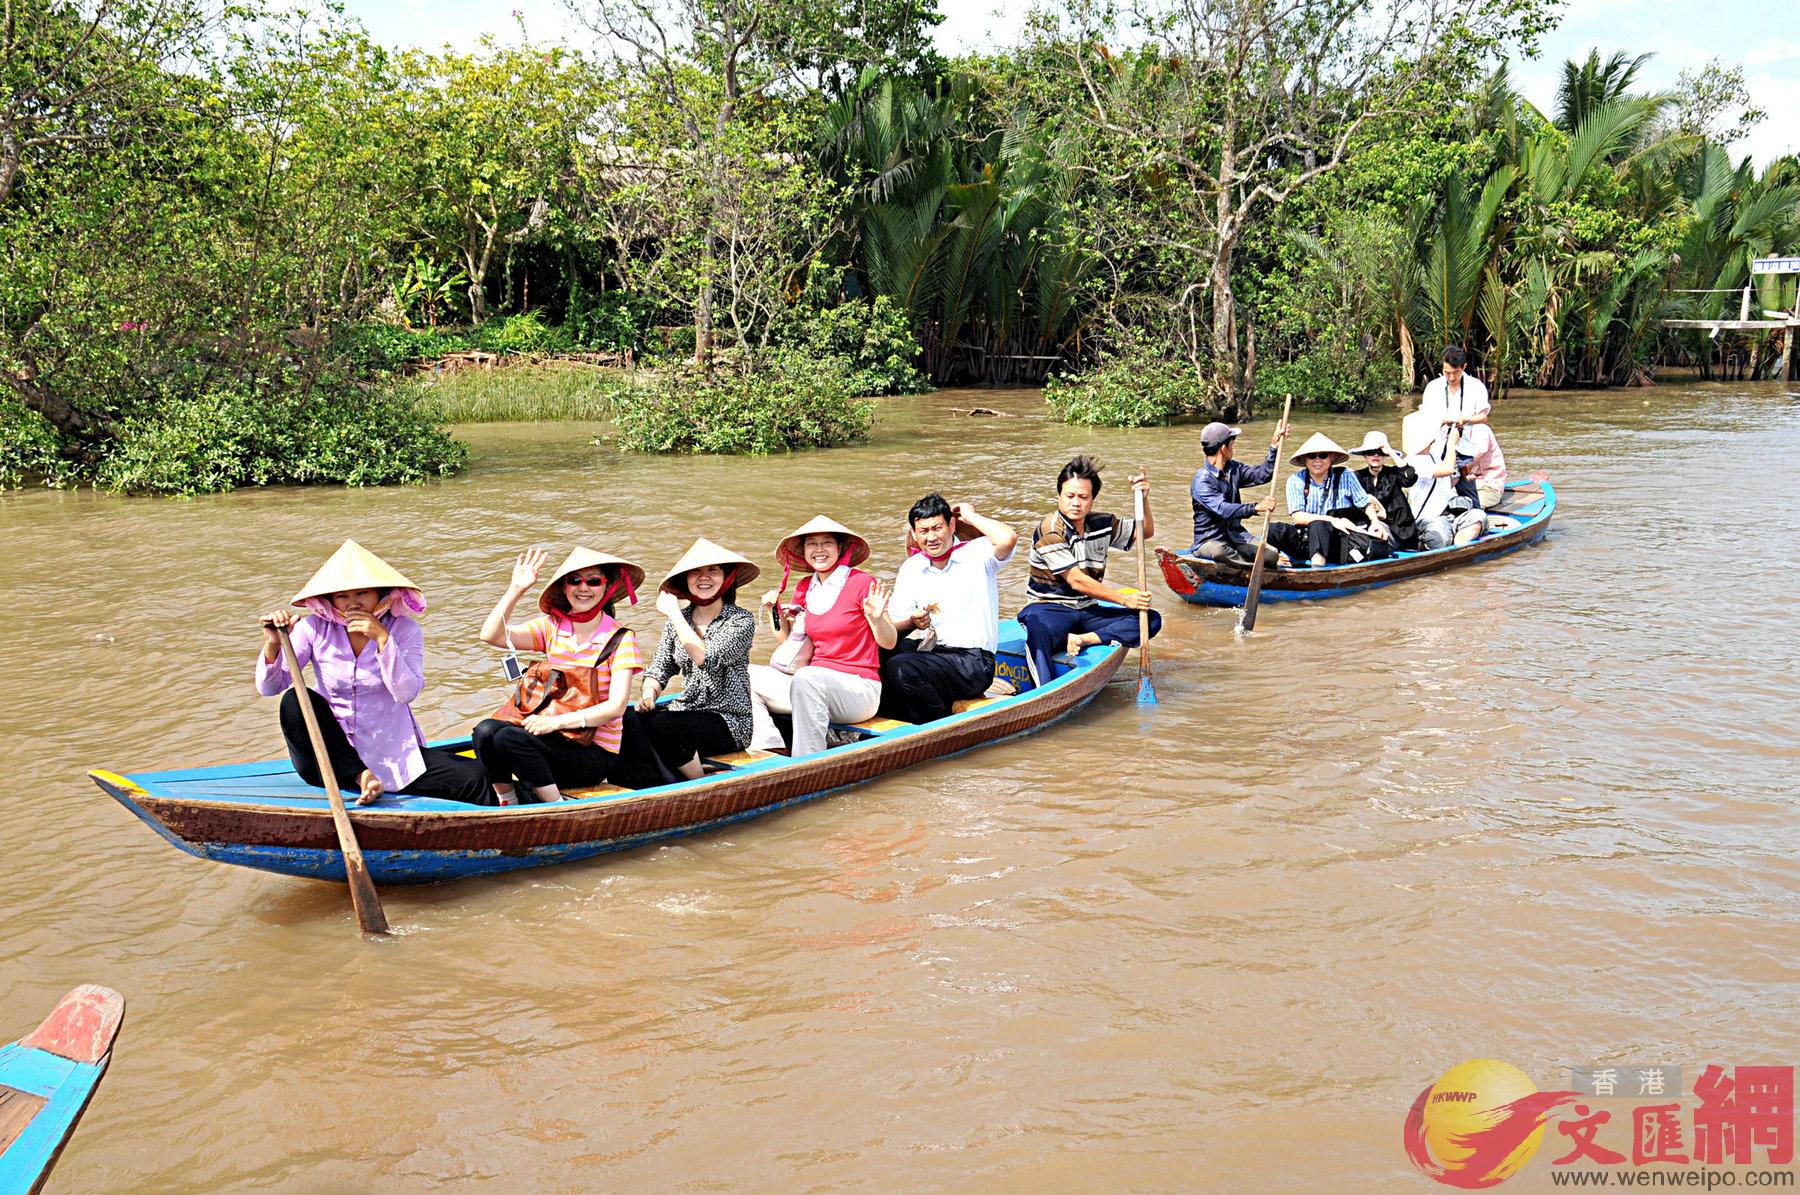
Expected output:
(1320, 442)
(704, 552)
(1420, 432)
(788, 550)
(582, 558)
(353, 566)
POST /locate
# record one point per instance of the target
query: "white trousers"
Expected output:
(815, 697)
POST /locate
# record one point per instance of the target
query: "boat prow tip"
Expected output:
(82, 1026)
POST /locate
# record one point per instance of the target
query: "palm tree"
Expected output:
(1587, 85)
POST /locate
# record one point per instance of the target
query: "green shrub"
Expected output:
(674, 340)
(792, 400)
(1331, 381)
(612, 321)
(874, 338)
(1133, 389)
(220, 439)
(29, 447)
(516, 334)
(387, 348)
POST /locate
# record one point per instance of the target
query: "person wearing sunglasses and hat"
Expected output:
(576, 633)
(1324, 502)
(1385, 477)
(361, 636)
(845, 619)
(707, 641)
(1219, 513)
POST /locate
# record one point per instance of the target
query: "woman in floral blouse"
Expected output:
(707, 640)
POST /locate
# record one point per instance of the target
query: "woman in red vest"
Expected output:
(834, 675)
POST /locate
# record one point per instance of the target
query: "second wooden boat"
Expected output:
(262, 815)
(1521, 518)
(47, 1079)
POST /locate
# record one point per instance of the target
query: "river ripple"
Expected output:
(1540, 810)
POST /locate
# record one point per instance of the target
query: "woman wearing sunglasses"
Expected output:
(1335, 521)
(573, 743)
(368, 654)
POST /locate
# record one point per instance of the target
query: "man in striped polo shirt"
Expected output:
(1068, 571)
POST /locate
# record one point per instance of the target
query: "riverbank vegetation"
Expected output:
(230, 232)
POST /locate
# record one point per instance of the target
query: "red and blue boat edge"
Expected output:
(58, 1066)
(260, 815)
(1210, 583)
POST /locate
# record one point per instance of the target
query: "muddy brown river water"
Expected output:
(1541, 809)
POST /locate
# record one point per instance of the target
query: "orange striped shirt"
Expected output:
(564, 647)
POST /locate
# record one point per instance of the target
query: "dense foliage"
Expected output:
(221, 224)
(1133, 389)
(796, 400)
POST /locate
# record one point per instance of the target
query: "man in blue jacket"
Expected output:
(1218, 512)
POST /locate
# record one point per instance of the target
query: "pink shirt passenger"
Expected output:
(1490, 463)
(370, 695)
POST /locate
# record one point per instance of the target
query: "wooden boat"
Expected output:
(47, 1079)
(262, 815)
(1522, 517)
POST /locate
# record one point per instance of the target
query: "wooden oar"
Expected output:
(1146, 690)
(1247, 620)
(362, 889)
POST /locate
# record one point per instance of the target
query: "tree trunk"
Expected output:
(62, 414)
(1224, 348)
(703, 303)
(9, 160)
(1404, 336)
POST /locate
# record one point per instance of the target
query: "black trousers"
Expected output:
(1303, 543)
(447, 775)
(678, 735)
(917, 686)
(1319, 538)
(540, 760)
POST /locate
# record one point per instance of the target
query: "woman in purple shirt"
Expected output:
(368, 656)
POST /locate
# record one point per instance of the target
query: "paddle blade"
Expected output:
(369, 913)
(1146, 691)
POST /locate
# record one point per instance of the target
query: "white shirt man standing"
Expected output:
(953, 589)
(1457, 396)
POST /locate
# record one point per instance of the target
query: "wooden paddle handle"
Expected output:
(369, 913)
(1254, 592)
(1137, 496)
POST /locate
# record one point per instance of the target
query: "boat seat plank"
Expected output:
(738, 759)
(17, 1110)
(875, 725)
(597, 790)
(967, 704)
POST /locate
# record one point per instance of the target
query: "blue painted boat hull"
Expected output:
(61, 1064)
(262, 816)
(1529, 506)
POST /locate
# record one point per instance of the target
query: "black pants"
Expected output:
(1319, 538)
(678, 735)
(540, 760)
(1303, 543)
(917, 686)
(452, 777)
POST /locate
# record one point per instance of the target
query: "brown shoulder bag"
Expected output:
(554, 691)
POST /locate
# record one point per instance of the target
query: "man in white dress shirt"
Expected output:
(951, 588)
(1456, 397)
